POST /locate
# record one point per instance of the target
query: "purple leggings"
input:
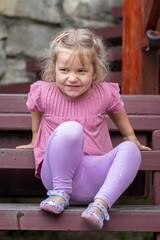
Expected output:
(84, 177)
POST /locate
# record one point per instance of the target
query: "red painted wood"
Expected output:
(24, 159)
(117, 12)
(152, 15)
(15, 88)
(110, 32)
(116, 77)
(156, 187)
(134, 104)
(23, 122)
(156, 140)
(123, 218)
(17, 158)
(131, 67)
(15, 121)
(117, 53)
(13, 103)
(150, 160)
(32, 65)
(142, 104)
(138, 66)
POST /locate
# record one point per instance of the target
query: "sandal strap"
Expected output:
(60, 193)
(102, 208)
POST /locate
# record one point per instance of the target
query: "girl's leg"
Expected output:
(63, 155)
(121, 174)
(124, 163)
(106, 177)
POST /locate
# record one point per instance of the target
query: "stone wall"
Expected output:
(27, 27)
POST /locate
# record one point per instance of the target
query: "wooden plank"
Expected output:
(138, 66)
(140, 122)
(150, 160)
(116, 77)
(156, 140)
(17, 158)
(152, 14)
(24, 159)
(117, 12)
(142, 104)
(14, 88)
(15, 121)
(156, 187)
(32, 65)
(122, 218)
(131, 66)
(13, 103)
(117, 53)
(134, 104)
(23, 122)
(109, 33)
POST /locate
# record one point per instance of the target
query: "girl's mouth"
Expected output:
(73, 87)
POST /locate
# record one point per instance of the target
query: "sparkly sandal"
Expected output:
(55, 206)
(93, 218)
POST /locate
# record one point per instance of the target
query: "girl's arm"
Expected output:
(122, 122)
(36, 120)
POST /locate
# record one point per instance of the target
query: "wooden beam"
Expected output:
(24, 159)
(12, 121)
(134, 104)
(122, 218)
(139, 68)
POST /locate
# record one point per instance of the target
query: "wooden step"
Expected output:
(117, 12)
(122, 218)
(109, 33)
(24, 159)
(134, 104)
(15, 121)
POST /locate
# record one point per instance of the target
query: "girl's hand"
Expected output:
(28, 146)
(135, 140)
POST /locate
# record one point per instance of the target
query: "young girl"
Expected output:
(72, 147)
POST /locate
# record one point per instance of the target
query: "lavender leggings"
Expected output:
(87, 177)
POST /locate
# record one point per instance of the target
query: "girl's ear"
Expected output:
(94, 76)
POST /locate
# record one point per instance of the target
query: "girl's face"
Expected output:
(73, 78)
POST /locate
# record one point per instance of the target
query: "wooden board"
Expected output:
(24, 159)
(123, 218)
(13, 121)
(134, 104)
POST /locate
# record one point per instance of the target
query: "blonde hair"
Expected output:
(80, 41)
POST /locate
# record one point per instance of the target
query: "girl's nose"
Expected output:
(73, 77)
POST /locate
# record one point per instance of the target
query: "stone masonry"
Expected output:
(27, 27)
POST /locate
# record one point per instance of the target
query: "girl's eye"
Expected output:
(82, 70)
(64, 70)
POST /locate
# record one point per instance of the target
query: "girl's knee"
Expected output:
(132, 150)
(70, 130)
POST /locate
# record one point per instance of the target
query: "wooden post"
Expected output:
(140, 68)
(156, 176)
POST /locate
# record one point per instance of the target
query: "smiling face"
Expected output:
(74, 77)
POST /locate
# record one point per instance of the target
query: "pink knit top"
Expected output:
(88, 111)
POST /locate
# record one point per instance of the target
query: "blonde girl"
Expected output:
(73, 152)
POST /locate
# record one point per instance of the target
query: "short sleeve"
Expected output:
(114, 98)
(34, 97)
